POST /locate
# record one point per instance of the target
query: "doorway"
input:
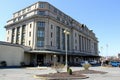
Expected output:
(40, 59)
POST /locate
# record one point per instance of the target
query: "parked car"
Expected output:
(82, 63)
(93, 62)
(115, 63)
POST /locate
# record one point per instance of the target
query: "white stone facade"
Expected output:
(41, 25)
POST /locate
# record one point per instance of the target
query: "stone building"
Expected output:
(41, 26)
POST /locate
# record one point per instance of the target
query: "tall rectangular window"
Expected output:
(68, 45)
(29, 42)
(58, 37)
(80, 43)
(51, 26)
(30, 25)
(23, 35)
(51, 43)
(40, 33)
(18, 35)
(63, 39)
(29, 34)
(13, 35)
(51, 34)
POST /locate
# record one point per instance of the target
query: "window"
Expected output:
(51, 34)
(13, 35)
(55, 10)
(18, 13)
(75, 47)
(51, 43)
(29, 42)
(19, 18)
(23, 11)
(29, 34)
(77, 59)
(23, 35)
(18, 35)
(24, 16)
(30, 25)
(41, 24)
(14, 20)
(29, 8)
(40, 34)
(51, 26)
(51, 58)
(76, 41)
(41, 13)
(58, 37)
(42, 5)
(40, 43)
(58, 18)
(75, 34)
(8, 32)
(63, 39)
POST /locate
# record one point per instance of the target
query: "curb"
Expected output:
(50, 78)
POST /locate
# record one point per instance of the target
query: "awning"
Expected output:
(59, 53)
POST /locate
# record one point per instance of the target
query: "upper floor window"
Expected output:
(51, 43)
(29, 34)
(19, 18)
(51, 26)
(24, 16)
(41, 12)
(18, 13)
(41, 24)
(8, 32)
(29, 8)
(23, 11)
(40, 33)
(29, 42)
(30, 25)
(40, 43)
(58, 18)
(75, 41)
(75, 34)
(51, 34)
(55, 10)
(14, 20)
(42, 5)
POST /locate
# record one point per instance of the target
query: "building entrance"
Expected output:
(40, 59)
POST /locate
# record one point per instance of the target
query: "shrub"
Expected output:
(86, 66)
(68, 68)
(69, 71)
(3, 63)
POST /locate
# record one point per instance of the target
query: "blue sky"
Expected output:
(102, 16)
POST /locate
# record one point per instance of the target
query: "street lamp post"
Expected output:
(66, 33)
